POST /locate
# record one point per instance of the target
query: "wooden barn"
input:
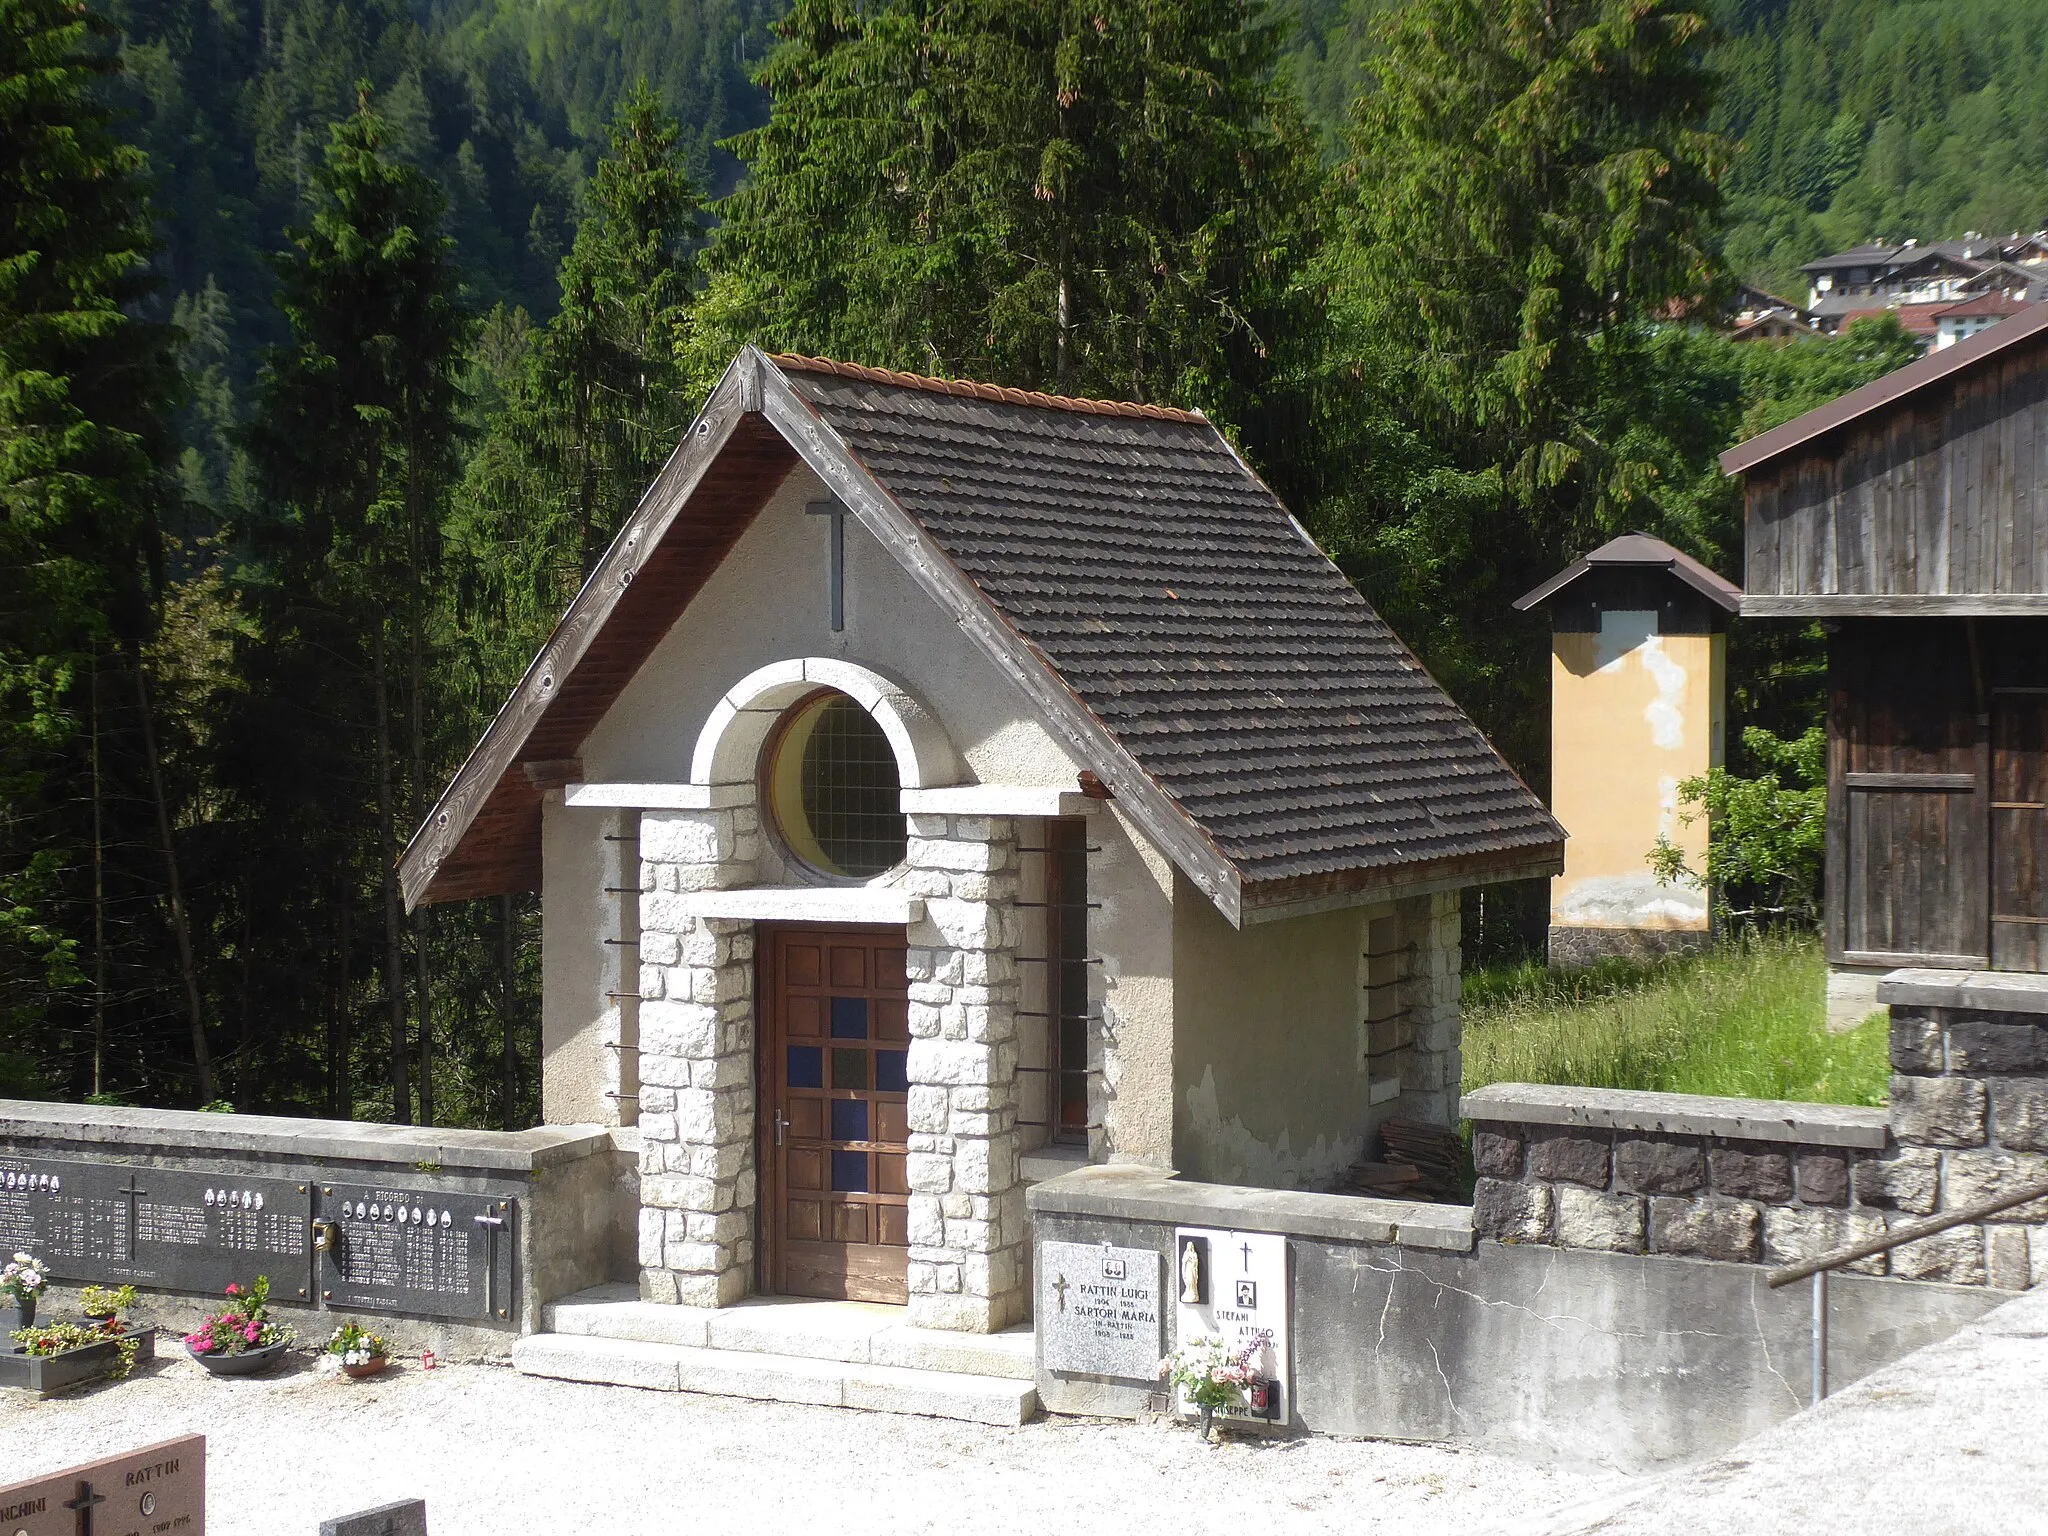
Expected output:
(1911, 518)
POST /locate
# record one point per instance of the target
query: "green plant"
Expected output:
(244, 1324)
(1766, 838)
(56, 1338)
(24, 1278)
(98, 1301)
(353, 1344)
(1211, 1374)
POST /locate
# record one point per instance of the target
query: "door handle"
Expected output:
(781, 1125)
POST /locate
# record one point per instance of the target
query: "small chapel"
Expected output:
(940, 786)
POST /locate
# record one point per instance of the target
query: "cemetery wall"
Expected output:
(444, 1239)
(1403, 1325)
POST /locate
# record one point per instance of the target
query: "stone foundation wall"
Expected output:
(1755, 1182)
(1433, 1065)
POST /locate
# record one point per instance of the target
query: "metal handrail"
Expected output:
(1912, 1231)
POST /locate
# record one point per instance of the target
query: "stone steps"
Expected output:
(835, 1353)
(776, 1378)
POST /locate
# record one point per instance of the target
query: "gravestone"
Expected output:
(159, 1490)
(407, 1517)
(1099, 1310)
(1240, 1291)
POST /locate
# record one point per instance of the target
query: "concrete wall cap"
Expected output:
(105, 1127)
(1679, 1114)
(1993, 991)
(996, 800)
(1150, 1194)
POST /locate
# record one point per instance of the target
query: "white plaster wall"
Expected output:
(767, 603)
(1131, 929)
(579, 1021)
(1270, 1087)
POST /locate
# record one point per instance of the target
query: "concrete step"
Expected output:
(775, 1378)
(851, 1332)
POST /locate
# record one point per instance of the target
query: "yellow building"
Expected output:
(1638, 679)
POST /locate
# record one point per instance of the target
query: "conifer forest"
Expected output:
(337, 337)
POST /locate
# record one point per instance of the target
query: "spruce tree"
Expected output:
(1109, 199)
(1528, 194)
(354, 446)
(86, 389)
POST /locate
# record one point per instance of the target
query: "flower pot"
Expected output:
(46, 1375)
(25, 1310)
(369, 1367)
(1208, 1422)
(248, 1363)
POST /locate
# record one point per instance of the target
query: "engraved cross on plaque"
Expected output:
(86, 1499)
(132, 1194)
(1059, 1288)
(1246, 1250)
(836, 599)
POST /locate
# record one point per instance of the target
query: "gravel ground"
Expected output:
(492, 1451)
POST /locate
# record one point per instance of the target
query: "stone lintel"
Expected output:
(996, 800)
(1678, 1114)
(1991, 991)
(658, 797)
(1149, 1194)
(106, 1127)
(805, 904)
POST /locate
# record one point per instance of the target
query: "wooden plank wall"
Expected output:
(1943, 494)
(1938, 793)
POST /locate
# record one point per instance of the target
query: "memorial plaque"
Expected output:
(1099, 1310)
(408, 1517)
(172, 1228)
(157, 1491)
(1233, 1286)
(418, 1249)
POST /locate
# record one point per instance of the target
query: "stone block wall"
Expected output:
(1774, 1183)
(967, 1231)
(697, 1173)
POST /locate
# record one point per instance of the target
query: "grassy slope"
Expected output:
(1745, 1021)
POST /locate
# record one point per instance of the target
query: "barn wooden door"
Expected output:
(2019, 829)
(836, 1128)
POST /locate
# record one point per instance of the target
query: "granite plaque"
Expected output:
(417, 1249)
(408, 1517)
(1233, 1286)
(173, 1228)
(1099, 1310)
(157, 1491)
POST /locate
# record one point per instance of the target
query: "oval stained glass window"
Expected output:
(834, 790)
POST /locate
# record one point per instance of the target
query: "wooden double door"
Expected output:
(835, 1047)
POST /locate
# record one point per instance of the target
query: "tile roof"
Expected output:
(1172, 593)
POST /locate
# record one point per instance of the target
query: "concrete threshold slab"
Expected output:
(777, 1378)
(851, 1332)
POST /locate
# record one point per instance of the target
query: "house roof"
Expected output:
(1638, 551)
(1978, 305)
(1880, 393)
(1146, 590)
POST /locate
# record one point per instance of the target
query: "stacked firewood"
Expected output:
(1418, 1162)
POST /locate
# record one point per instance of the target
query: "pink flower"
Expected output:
(234, 1290)
(250, 1333)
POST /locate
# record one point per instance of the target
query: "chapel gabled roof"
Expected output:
(1174, 625)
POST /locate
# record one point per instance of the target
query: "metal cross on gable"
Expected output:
(836, 598)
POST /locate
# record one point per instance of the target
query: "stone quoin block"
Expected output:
(2019, 1113)
(1659, 1167)
(1512, 1213)
(1906, 1180)
(1955, 1256)
(1713, 1228)
(1496, 1155)
(1572, 1159)
(1938, 1111)
(1792, 1233)
(2007, 1262)
(1973, 1177)
(1985, 1046)
(1751, 1175)
(1588, 1219)
(1916, 1042)
(1822, 1178)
